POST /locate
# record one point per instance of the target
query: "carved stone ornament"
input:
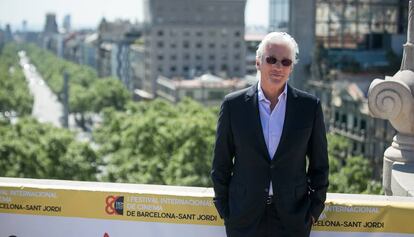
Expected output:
(393, 99)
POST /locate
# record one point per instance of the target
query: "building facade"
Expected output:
(188, 38)
(89, 50)
(345, 105)
(206, 89)
(339, 25)
(360, 24)
(279, 15)
(136, 59)
(252, 41)
(114, 41)
(50, 24)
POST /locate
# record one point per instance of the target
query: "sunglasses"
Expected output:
(272, 60)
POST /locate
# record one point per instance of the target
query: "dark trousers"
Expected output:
(269, 225)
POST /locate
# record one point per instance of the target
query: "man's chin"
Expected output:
(277, 79)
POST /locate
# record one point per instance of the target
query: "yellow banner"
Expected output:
(348, 214)
(366, 216)
(109, 205)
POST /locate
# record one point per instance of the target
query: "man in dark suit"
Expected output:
(270, 166)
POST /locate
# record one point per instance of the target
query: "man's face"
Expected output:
(277, 74)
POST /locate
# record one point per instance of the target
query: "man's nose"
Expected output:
(278, 65)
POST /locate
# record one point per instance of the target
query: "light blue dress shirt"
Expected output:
(272, 121)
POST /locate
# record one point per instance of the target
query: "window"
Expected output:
(173, 33)
(385, 128)
(159, 19)
(354, 147)
(363, 125)
(344, 119)
(160, 44)
(345, 24)
(160, 33)
(186, 44)
(355, 122)
(212, 33)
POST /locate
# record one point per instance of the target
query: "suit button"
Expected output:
(272, 166)
(266, 190)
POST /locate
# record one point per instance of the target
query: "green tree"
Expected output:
(14, 92)
(109, 92)
(33, 150)
(80, 102)
(337, 151)
(158, 142)
(349, 174)
(194, 135)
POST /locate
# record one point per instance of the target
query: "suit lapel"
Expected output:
(253, 107)
(289, 118)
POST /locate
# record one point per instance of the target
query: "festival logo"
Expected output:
(114, 205)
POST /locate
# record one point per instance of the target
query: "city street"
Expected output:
(46, 107)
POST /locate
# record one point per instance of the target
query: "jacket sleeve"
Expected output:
(318, 170)
(222, 160)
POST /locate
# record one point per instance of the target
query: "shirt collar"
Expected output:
(262, 97)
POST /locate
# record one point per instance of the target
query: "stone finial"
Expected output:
(393, 99)
(410, 31)
(408, 56)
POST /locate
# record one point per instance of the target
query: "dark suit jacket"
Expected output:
(242, 169)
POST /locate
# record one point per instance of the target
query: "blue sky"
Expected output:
(87, 13)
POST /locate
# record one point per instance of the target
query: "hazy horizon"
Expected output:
(87, 14)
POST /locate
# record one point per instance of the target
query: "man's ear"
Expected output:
(257, 64)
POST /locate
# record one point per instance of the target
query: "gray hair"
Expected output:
(282, 38)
